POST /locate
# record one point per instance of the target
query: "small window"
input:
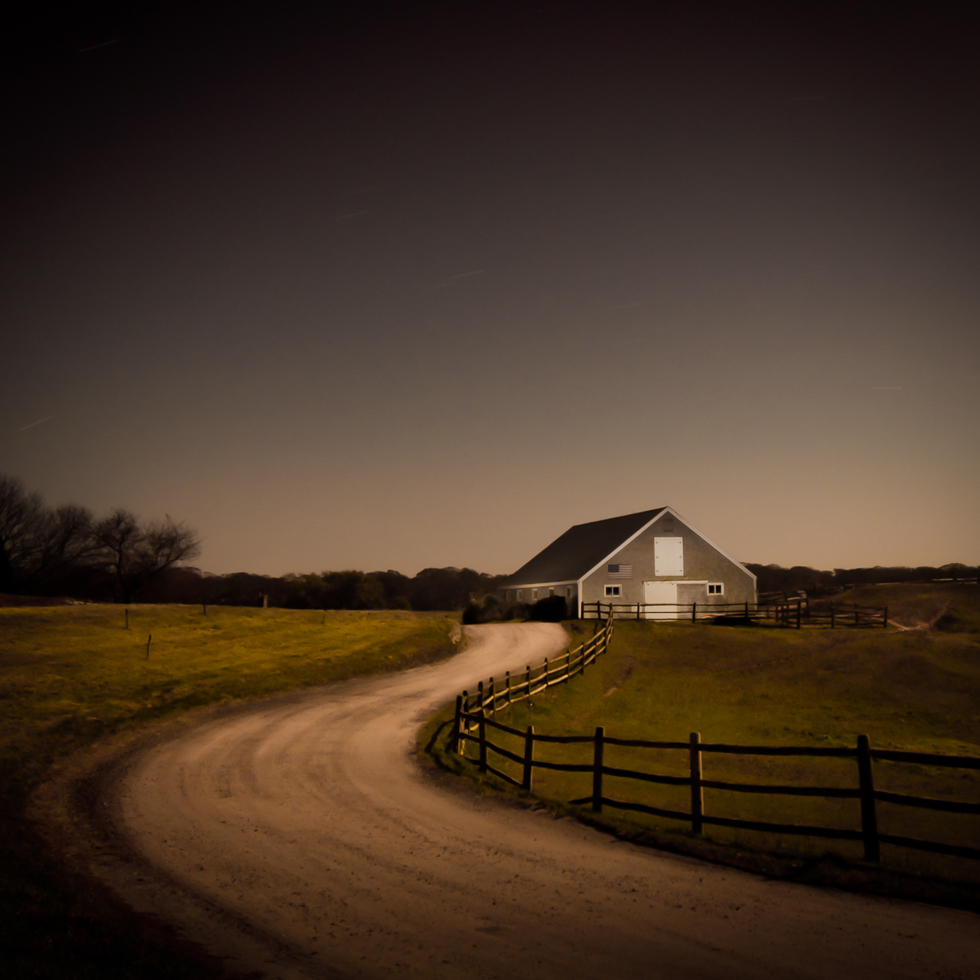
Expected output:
(551, 592)
(614, 590)
(534, 594)
(518, 595)
(716, 588)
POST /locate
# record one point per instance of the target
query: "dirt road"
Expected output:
(299, 837)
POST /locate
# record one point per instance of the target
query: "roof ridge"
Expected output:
(579, 548)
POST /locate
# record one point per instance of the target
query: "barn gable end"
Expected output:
(652, 556)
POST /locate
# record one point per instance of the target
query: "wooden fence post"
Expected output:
(528, 680)
(600, 736)
(869, 818)
(528, 758)
(480, 702)
(491, 694)
(483, 740)
(507, 680)
(884, 618)
(456, 723)
(694, 612)
(697, 792)
(545, 675)
(465, 722)
(799, 613)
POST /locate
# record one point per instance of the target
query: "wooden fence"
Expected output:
(540, 677)
(792, 612)
(472, 720)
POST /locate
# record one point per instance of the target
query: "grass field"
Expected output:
(70, 675)
(762, 685)
(947, 607)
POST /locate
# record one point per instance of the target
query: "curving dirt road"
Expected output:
(298, 837)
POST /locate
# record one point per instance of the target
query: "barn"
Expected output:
(653, 557)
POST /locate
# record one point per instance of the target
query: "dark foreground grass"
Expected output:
(70, 676)
(918, 691)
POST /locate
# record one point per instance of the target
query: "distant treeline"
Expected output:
(800, 578)
(67, 551)
(431, 589)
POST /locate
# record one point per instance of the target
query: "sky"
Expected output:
(406, 285)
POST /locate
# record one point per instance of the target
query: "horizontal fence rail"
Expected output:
(474, 721)
(472, 711)
(791, 612)
(492, 696)
(864, 791)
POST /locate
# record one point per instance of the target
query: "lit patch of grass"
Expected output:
(767, 686)
(70, 675)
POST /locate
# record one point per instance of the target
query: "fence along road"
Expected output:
(299, 837)
(493, 697)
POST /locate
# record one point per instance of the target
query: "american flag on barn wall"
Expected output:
(620, 571)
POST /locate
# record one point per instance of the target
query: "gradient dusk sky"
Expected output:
(423, 284)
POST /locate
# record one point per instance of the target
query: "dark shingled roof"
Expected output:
(580, 548)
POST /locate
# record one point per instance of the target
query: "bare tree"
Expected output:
(20, 513)
(134, 554)
(36, 543)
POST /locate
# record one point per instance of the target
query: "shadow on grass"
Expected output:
(823, 870)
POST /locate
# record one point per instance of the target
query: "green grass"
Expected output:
(767, 686)
(70, 675)
(946, 606)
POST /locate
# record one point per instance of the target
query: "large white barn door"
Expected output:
(660, 592)
(668, 556)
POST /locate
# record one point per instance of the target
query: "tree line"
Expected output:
(67, 551)
(431, 589)
(801, 578)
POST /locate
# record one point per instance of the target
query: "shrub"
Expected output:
(551, 609)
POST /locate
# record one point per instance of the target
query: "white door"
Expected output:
(660, 592)
(668, 556)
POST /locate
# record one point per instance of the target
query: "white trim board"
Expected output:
(650, 524)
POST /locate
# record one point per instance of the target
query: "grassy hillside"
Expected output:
(72, 674)
(768, 686)
(949, 607)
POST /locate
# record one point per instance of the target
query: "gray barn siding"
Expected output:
(701, 562)
(509, 595)
(587, 549)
